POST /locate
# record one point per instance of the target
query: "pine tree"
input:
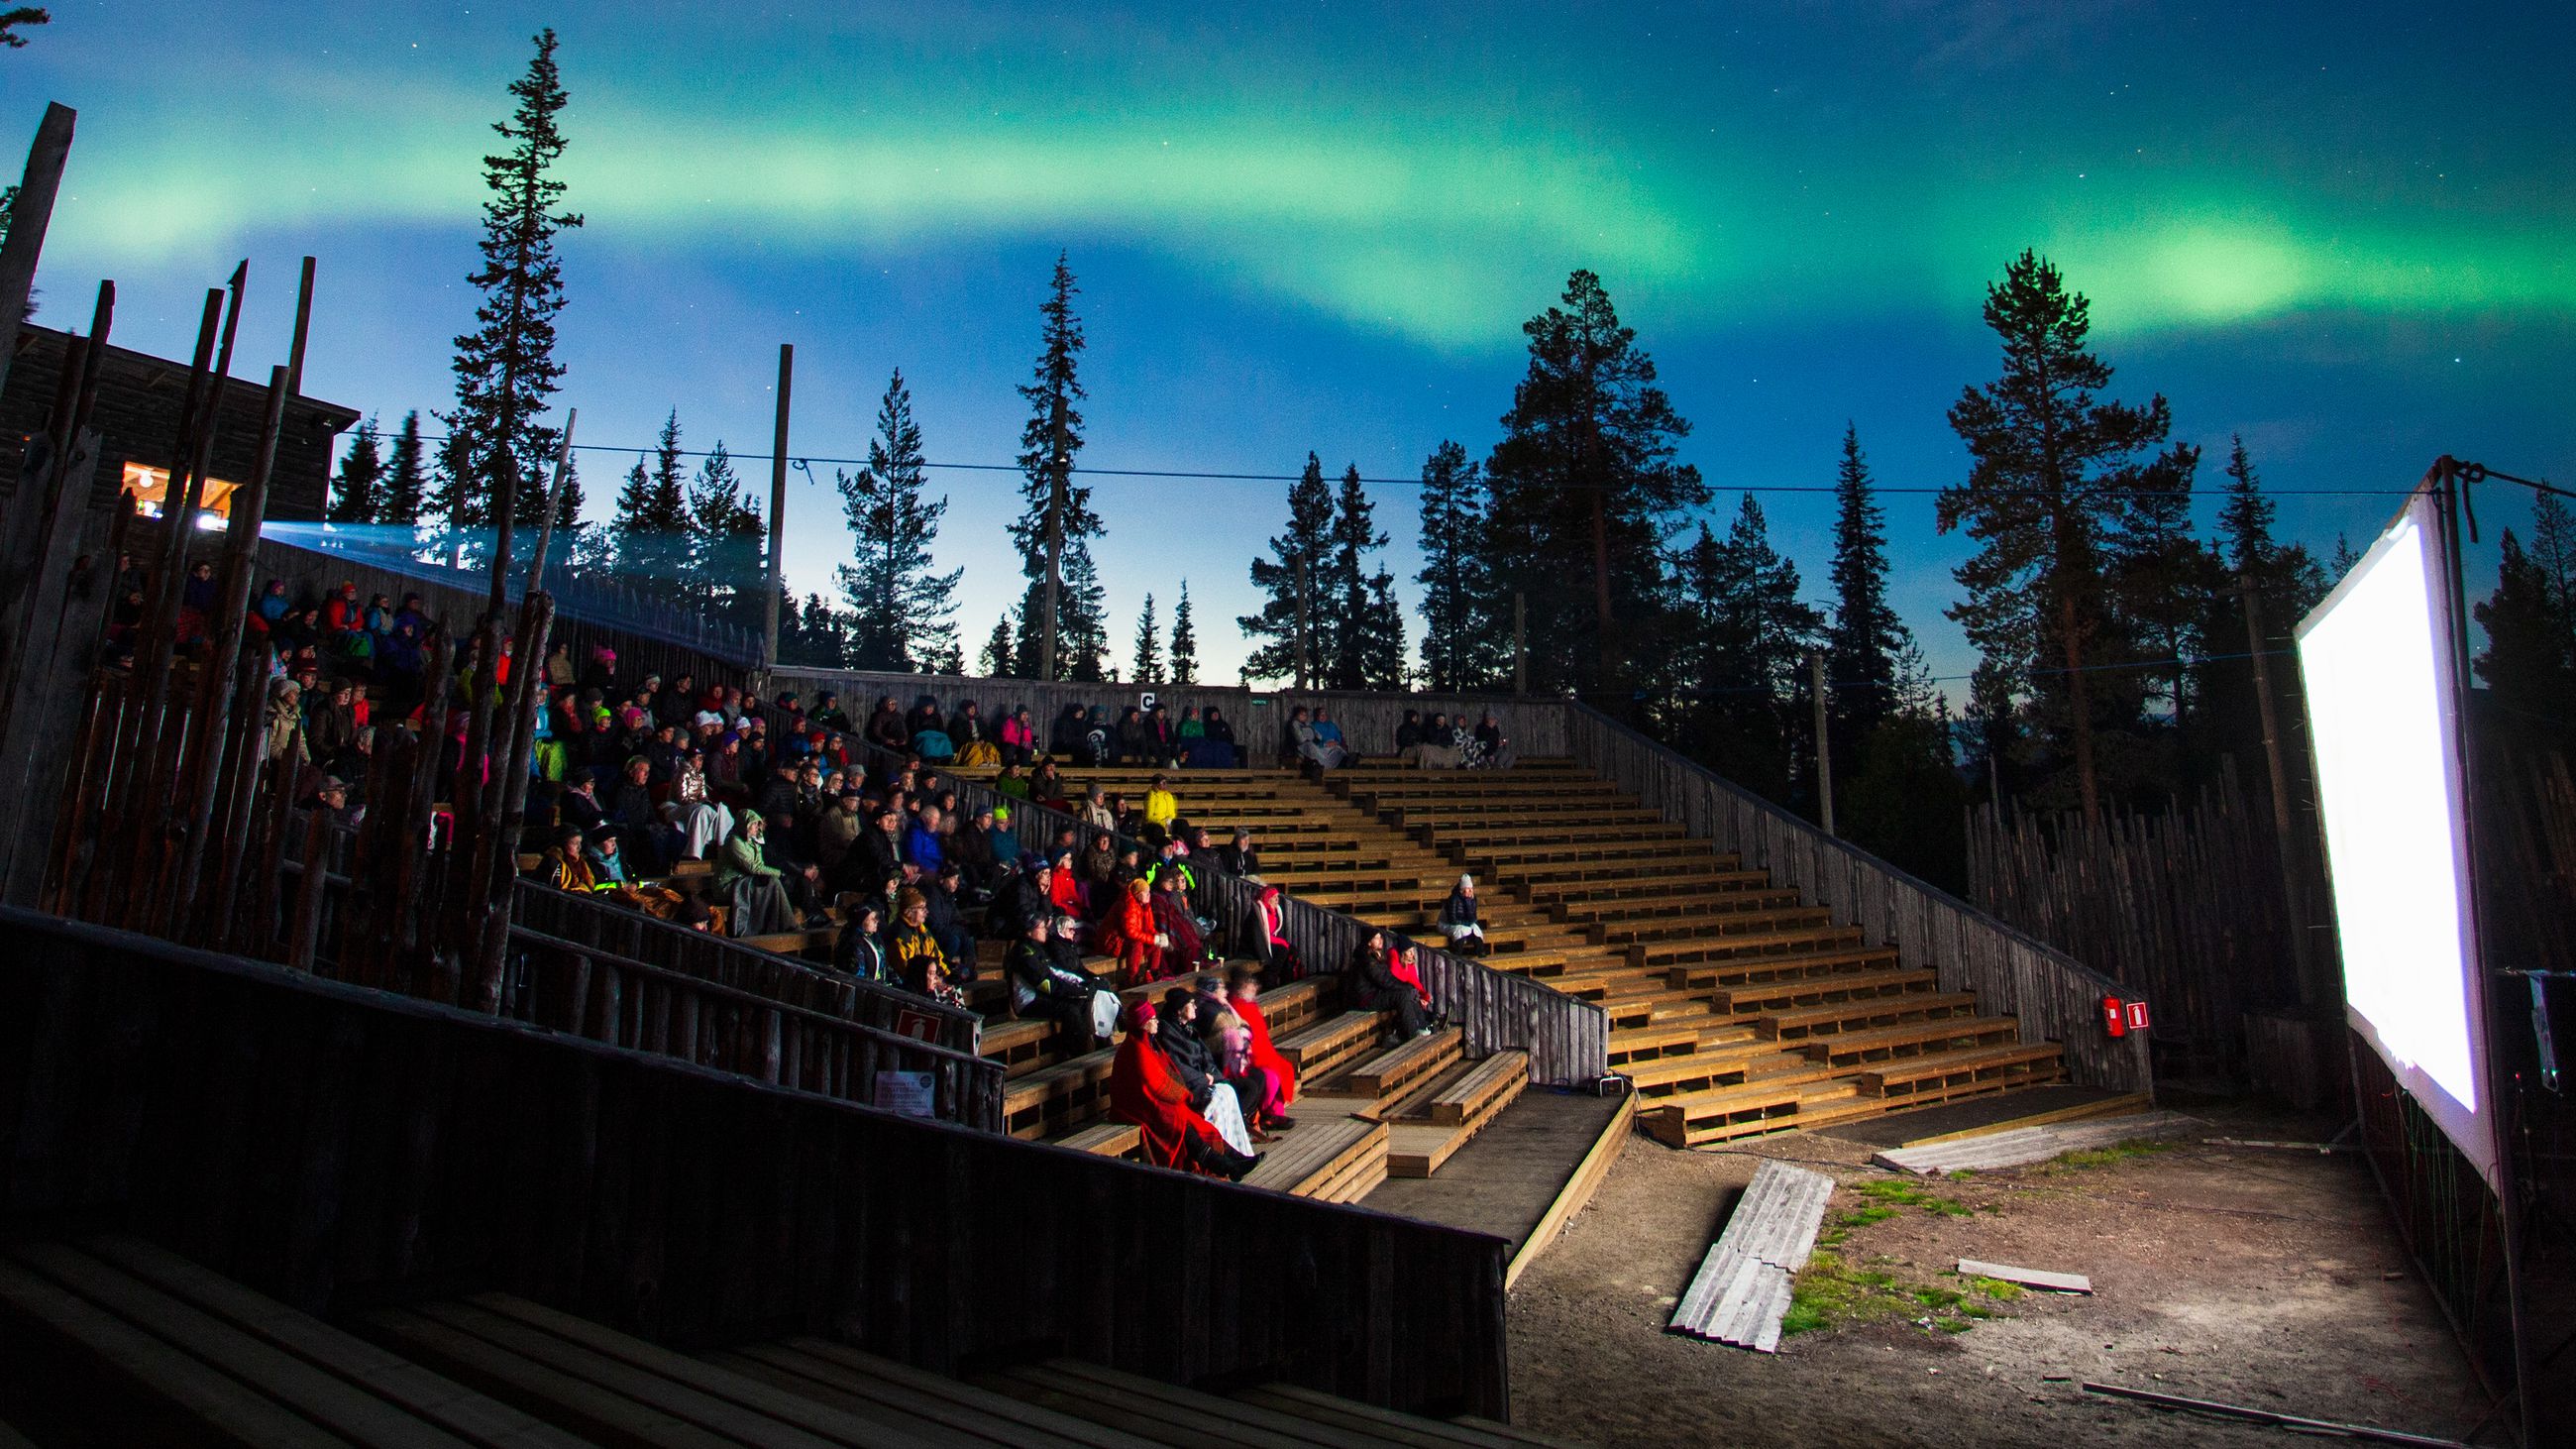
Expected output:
(2052, 491)
(1296, 578)
(357, 495)
(1085, 618)
(650, 534)
(1462, 648)
(1867, 639)
(2344, 560)
(505, 368)
(1048, 446)
(904, 615)
(999, 660)
(406, 480)
(2529, 663)
(11, 19)
(1185, 641)
(1749, 635)
(1381, 630)
(1585, 483)
(1149, 646)
(1354, 632)
(727, 559)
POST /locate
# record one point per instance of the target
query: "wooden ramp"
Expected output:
(1742, 1289)
(2023, 1145)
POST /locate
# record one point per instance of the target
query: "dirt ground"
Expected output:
(2247, 1276)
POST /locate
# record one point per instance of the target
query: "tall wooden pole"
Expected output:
(303, 329)
(1055, 548)
(29, 216)
(1824, 742)
(1520, 642)
(1301, 619)
(554, 505)
(2313, 993)
(777, 509)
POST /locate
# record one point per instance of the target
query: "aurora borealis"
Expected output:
(2341, 230)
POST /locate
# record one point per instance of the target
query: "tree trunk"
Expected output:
(2080, 701)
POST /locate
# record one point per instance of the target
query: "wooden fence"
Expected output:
(2056, 997)
(2185, 909)
(650, 636)
(1368, 720)
(336, 1148)
(1568, 1040)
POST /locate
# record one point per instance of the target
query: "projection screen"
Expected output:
(2383, 701)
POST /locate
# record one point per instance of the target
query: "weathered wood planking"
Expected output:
(1742, 1289)
(333, 1146)
(2056, 997)
(2022, 1145)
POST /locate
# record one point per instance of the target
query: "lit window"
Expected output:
(151, 489)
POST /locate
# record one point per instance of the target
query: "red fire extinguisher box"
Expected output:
(2115, 1017)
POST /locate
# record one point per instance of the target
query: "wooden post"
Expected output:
(777, 510)
(29, 216)
(217, 696)
(1054, 562)
(1824, 743)
(502, 865)
(2313, 993)
(1520, 642)
(303, 329)
(1301, 619)
(554, 505)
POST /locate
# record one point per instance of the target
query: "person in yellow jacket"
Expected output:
(1162, 807)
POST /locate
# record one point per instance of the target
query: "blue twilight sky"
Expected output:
(2339, 229)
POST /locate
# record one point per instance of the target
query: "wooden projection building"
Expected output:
(139, 397)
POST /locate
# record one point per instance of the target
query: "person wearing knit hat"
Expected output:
(1458, 920)
(918, 963)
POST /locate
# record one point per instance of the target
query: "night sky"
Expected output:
(2342, 230)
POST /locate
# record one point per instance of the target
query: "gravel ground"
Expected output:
(2247, 1276)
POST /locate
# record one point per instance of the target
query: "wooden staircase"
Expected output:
(1735, 1007)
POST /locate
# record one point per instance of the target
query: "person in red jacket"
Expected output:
(1134, 937)
(1243, 997)
(1143, 1090)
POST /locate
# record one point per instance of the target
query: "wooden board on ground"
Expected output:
(2019, 1146)
(1741, 1291)
(2027, 1277)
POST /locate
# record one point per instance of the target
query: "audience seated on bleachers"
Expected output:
(755, 890)
(1042, 985)
(1243, 997)
(919, 965)
(1370, 984)
(1194, 1065)
(1142, 1090)
(1128, 933)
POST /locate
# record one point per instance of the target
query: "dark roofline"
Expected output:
(340, 417)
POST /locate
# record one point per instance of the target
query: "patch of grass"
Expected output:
(1890, 1194)
(2113, 1155)
(1975, 1310)
(1942, 1299)
(1830, 1293)
(1863, 1217)
(1997, 1289)
(1952, 1325)
(1962, 1174)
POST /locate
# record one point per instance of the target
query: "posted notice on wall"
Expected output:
(910, 1093)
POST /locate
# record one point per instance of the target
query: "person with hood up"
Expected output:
(1194, 1065)
(1128, 932)
(861, 949)
(1142, 1090)
(1041, 988)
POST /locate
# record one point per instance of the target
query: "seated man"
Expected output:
(918, 963)
(1042, 988)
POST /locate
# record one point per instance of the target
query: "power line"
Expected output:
(803, 462)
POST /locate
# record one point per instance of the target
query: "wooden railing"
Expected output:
(2056, 997)
(334, 1147)
(1568, 1040)
(621, 1002)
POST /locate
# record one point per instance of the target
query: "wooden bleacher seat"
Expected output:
(1330, 1044)
(1106, 1139)
(1393, 1072)
(1786, 995)
(1857, 1048)
(879, 1388)
(1949, 1074)
(1057, 1098)
(198, 1357)
(1863, 1012)
(1335, 1158)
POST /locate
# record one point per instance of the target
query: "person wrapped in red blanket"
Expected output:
(1143, 1090)
(1243, 997)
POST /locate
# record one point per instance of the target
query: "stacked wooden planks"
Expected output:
(1741, 1291)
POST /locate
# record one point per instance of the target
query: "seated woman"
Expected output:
(1018, 738)
(1271, 921)
(1305, 743)
(1404, 963)
(919, 965)
(1458, 920)
(1486, 748)
(1064, 892)
(1173, 921)
(1243, 997)
(860, 951)
(1142, 1090)
(1329, 734)
(755, 889)
(1194, 1065)
(1130, 934)
(1369, 985)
